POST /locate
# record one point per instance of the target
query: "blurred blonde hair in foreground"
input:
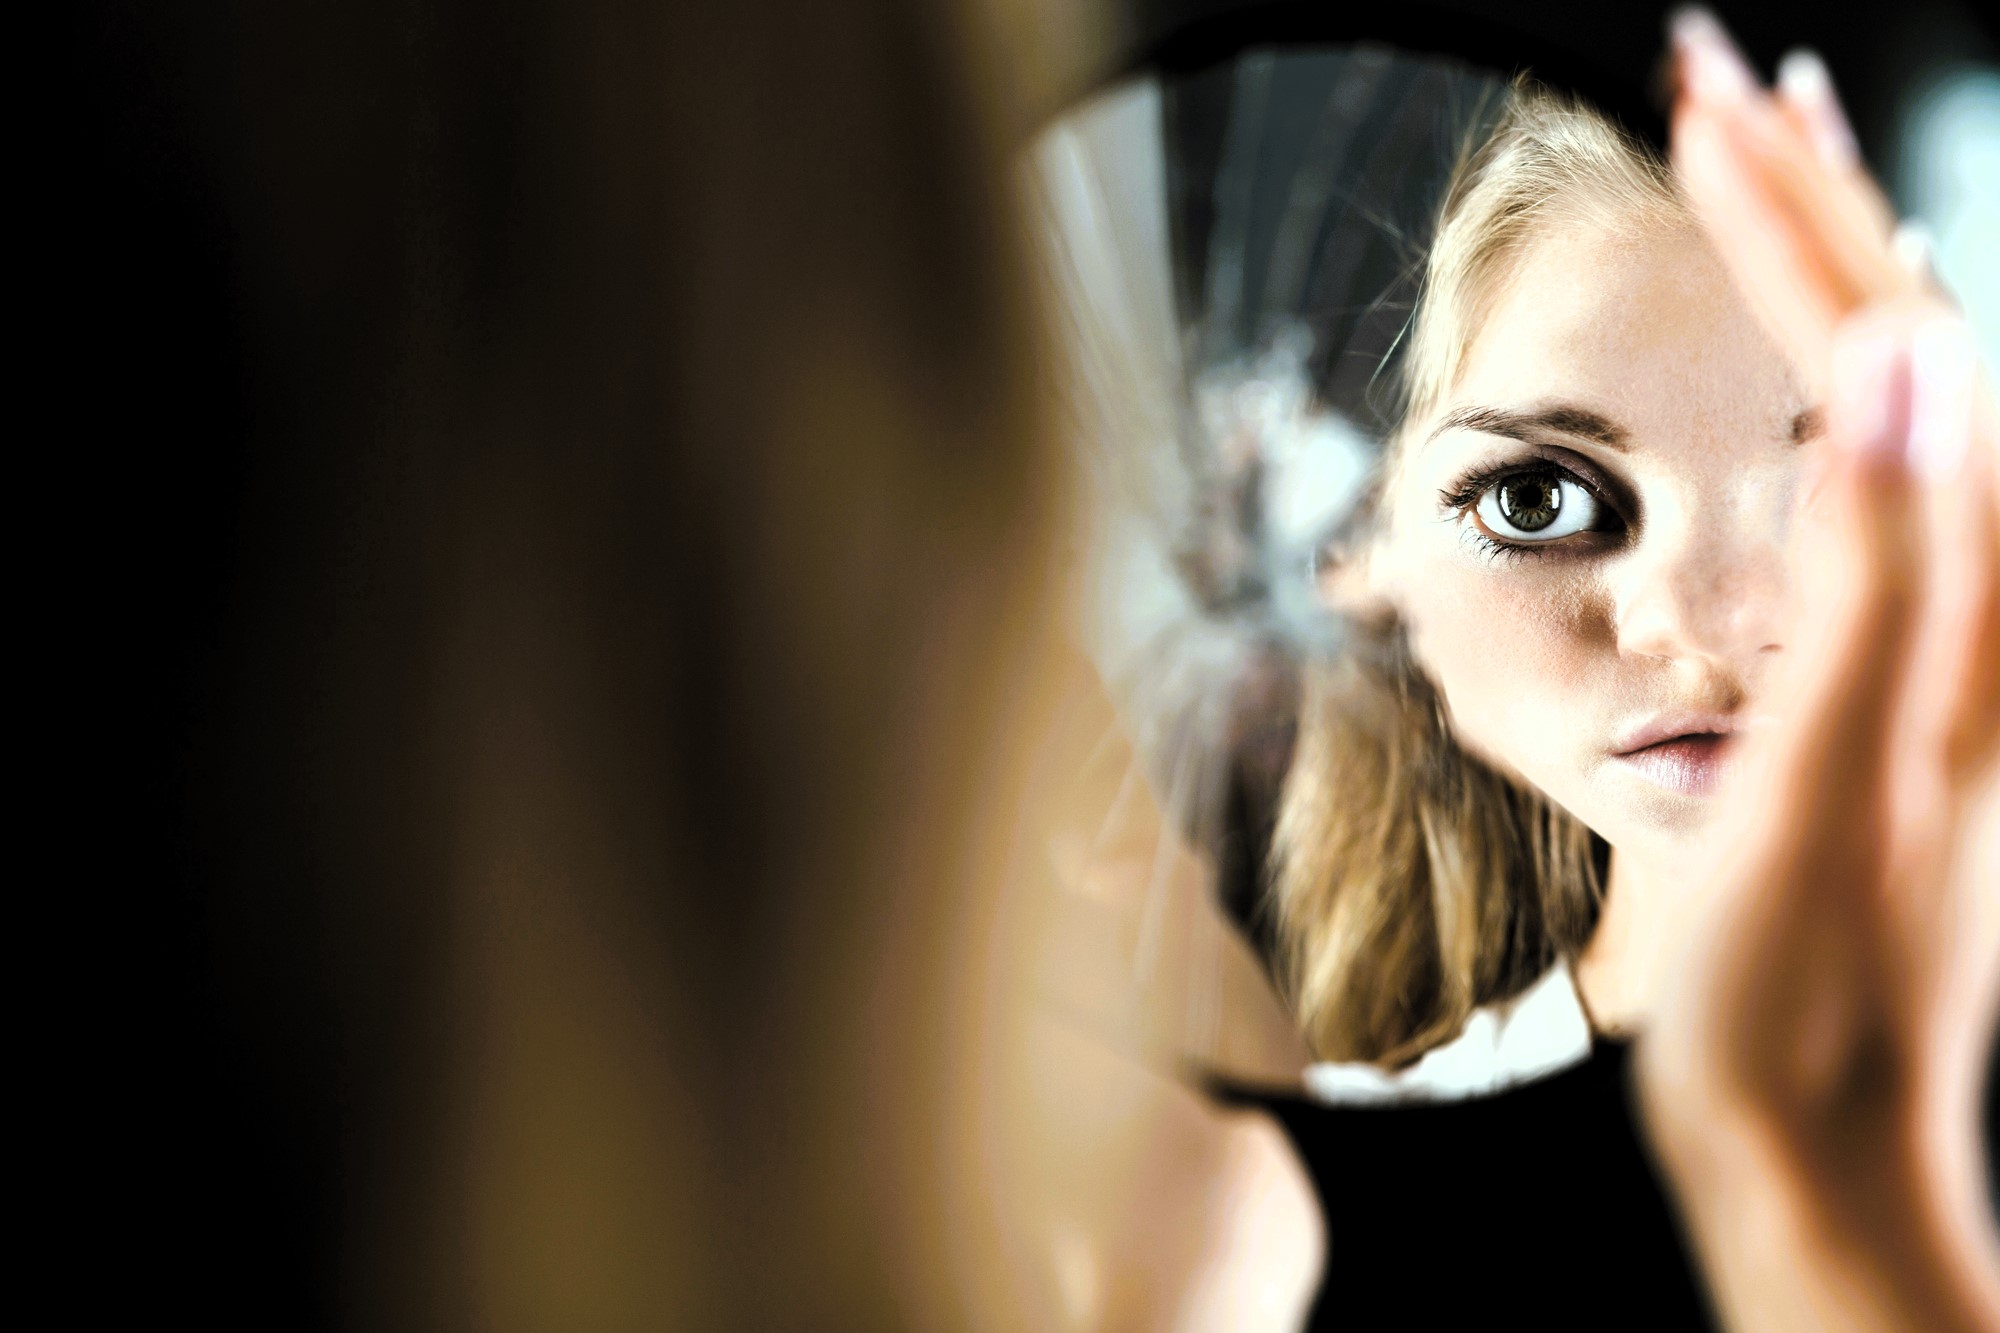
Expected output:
(623, 628)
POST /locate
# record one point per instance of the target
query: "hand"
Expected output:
(1812, 1075)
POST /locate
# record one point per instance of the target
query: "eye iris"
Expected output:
(1530, 503)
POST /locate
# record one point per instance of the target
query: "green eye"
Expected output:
(1536, 507)
(1530, 503)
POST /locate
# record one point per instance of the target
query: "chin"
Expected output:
(1639, 816)
(1662, 821)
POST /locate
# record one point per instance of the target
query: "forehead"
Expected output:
(1639, 322)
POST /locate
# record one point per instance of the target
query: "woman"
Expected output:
(1631, 744)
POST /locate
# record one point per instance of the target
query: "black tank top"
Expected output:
(1536, 1207)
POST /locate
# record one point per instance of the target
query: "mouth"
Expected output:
(1685, 755)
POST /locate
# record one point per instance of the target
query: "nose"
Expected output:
(1703, 592)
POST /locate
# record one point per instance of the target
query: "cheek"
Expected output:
(1520, 653)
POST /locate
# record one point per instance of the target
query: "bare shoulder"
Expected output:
(1264, 1242)
(1163, 1210)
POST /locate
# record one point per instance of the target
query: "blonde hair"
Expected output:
(1412, 882)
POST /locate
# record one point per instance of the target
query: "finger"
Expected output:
(1793, 156)
(1935, 912)
(1838, 247)
(1957, 721)
(1809, 104)
(1801, 133)
(1793, 288)
(1863, 598)
(1803, 863)
(1838, 213)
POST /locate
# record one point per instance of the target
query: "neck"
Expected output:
(1614, 974)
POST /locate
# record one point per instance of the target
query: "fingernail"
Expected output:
(1942, 361)
(1804, 81)
(1713, 71)
(1870, 394)
(1912, 246)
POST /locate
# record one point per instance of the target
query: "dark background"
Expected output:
(1609, 52)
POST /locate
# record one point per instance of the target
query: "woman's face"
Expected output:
(1588, 540)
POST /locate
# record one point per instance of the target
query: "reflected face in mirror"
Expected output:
(1588, 540)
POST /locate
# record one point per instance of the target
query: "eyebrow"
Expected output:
(1559, 418)
(1569, 419)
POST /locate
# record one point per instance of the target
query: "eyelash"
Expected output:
(1464, 494)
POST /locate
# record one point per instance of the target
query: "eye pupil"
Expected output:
(1530, 503)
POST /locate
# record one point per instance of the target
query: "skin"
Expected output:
(1810, 1075)
(1638, 323)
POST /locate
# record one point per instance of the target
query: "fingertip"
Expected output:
(1869, 409)
(1712, 70)
(1805, 84)
(1802, 74)
(1943, 360)
(1913, 248)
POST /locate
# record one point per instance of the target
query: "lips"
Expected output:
(1691, 765)
(1683, 753)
